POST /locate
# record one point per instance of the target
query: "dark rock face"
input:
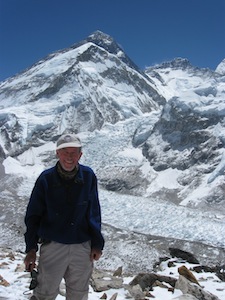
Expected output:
(185, 136)
(147, 280)
(189, 257)
(219, 270)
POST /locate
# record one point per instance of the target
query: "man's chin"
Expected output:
(68, 168)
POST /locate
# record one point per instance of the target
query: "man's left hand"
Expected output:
(95, 254)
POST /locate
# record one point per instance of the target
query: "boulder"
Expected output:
(187, 274)
(103, 281)
(187, 256)
(135, 291)
(193, 289)
(148, 280)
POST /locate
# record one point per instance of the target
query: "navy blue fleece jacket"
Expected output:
(63, 211)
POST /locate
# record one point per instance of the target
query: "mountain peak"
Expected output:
(179, 63)
(105, 41)
(99, 35)
(221, 68)
(176, 63)
(102, 40)
(108, 43)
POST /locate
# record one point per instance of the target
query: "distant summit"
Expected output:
(177, 63)
(109, 44)
(105, 41)
(221, 68)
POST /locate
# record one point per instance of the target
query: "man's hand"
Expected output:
(95, 254)
(30, 260)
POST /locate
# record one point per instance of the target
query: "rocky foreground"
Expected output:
(178, 277)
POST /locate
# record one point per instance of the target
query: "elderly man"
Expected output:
(63, 215)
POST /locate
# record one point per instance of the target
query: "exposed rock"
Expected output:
(103, 281)
(20, 268)
(143, 283)
(138, 289)
(187, 274)
(193, 289)
(219, 270)
(118, 272)
(162, 285)
(135, 291)
(220, 273)
(200, 269)
(3, 281)
(114, 296)
(147, 280)
(187, 256)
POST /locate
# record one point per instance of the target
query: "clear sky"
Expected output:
(149, 31)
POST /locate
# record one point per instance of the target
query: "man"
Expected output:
(64, 215)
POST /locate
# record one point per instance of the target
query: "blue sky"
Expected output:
(150, 31)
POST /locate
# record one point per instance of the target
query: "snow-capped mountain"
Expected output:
(82, 87)
(154, 138)
(221, 68)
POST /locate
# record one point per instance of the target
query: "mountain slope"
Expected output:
(82, 87)
(156, 134)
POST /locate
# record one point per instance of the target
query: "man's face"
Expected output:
(69, 157)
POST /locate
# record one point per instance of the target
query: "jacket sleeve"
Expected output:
(97, 240)
(33, 215)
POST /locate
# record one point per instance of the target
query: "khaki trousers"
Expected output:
(58, 261)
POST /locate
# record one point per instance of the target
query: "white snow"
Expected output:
(221, 67)
(161, 217)
(124, 212)
(147, 214)
(12, 271)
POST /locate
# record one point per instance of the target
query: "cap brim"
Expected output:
(66, 145)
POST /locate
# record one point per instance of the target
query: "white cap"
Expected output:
(68, 140)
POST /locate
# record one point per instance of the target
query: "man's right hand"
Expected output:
(30, 260)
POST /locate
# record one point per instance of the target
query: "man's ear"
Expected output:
(57, 153)
(80, 154)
